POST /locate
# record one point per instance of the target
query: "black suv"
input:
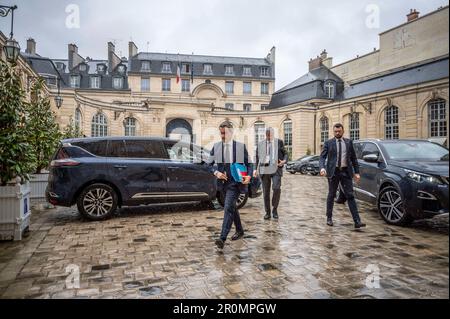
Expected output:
(101, 174)
(406, 179)
(300, 165)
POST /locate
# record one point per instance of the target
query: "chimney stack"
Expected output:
(326, 60)
(412, 15)
(315, 63)
(31, 46)
(72, 49)
(113, 59)
(132, 49)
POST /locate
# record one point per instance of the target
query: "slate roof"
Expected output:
(310, 86)
(218, 64)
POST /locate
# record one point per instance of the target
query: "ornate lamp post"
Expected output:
(11, 48)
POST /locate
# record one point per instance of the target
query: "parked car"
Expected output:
(101, 174)
(312, 167)
(300, 165)
(406, 179)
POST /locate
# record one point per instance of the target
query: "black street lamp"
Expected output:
(11, 48)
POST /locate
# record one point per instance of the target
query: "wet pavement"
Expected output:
(169, 252)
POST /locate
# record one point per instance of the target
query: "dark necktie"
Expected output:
(340, 153)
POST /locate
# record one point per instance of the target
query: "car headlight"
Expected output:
(421, 177)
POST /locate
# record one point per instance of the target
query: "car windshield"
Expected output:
(305, 157)
(415, 150)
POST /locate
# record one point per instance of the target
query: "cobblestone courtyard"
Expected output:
(160, 252)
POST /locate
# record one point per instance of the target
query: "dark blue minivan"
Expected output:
(101, 174)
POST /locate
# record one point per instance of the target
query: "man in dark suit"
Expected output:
(341, 166)
(271, 156)
(222, 155)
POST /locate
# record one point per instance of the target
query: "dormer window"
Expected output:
(186, 68)
(121, 69)
(229, 70)
(83, 67)
(94, 82)
(247, 71)
(329, 90)
(207, 69)
(60, 66)
(118, 83)
(166, 67)
(74, 81)
(145, 66)
(101, 68)
(265, 71)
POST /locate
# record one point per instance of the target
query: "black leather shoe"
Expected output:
(329, 222)
(267, 216)
(275, 214)
(237, 235)
(220, 243)
(359, 225)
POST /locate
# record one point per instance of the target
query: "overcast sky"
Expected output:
(299, 29)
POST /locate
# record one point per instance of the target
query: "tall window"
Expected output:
(166, 85)
(287, 128)
(229, 87)
(99, 125)
(247, 107)
(78, 119)
(247, 71)
(145, 66)
(118, 83)
(95, 82)
(324, 130)
(264, 71)
(207, 69)
(229, 70)
(329, 90)
(260, 132)
(247, 88)
(391, 123)
(166, 67)
(437, 118)
(145, 84)
(75, 81)
(264, 88)
(354, 126)
(185, 85)
(130, 126)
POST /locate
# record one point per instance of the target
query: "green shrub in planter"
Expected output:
(44, 133)
(17, 158)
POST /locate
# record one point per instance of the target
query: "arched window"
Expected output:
(130, 126)
(329, 90)
(391, 123)
(437, 118)
(354, 126)
(287, 128)
(260, 132)
(78, 119)
(99, 125)
(324, 130)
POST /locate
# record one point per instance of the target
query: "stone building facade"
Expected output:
(399, 90)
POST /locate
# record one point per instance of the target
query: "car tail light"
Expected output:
(64, 162)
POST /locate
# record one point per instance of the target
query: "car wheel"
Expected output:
(391, 207)
(303, 170)
(97, 202)
(292, 172)
(314, 173)
(242, 200)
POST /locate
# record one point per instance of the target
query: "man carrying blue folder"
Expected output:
(229, 162)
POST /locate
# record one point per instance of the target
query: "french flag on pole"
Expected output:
(178, 72)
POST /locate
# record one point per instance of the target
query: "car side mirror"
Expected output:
(371, 158)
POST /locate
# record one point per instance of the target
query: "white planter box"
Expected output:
(14, 211)
(38, 184)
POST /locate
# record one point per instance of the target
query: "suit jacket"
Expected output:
(216, 163)
(281, 155)
(330, 152)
